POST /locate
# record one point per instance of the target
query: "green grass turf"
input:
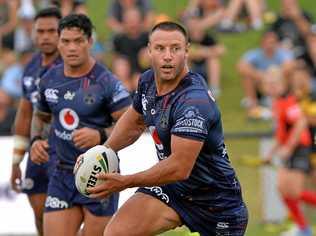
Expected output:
(232, 114)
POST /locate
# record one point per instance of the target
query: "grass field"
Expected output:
(233, 116)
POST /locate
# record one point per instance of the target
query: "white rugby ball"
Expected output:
(98, 159)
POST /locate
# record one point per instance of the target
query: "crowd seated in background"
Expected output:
(255, 63)
(205, 51)
(116, 11)
(130, 55)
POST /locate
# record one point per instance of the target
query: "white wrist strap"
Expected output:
(20, 143)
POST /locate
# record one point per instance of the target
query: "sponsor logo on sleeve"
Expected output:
(191, 122)
(27, 80)
(144, 103)
(119, 93)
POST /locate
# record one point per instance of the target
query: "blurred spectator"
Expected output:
(254, 64)
(11, 88)
(7, 113)
(118, 7)
(292, 148)
(12, 75)
(66, 6)
(8, 22)
(291, 27)
(204, 57)
(203, 15)
(23, 32)
(310, 58)
(130, 49)
(205, 52)
(254, 9)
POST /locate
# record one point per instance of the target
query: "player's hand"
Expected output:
(39, 153)
(86, 137)
(113, 183)
(15, 178)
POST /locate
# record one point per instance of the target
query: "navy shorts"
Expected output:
(62, 194)
(227, 222)
(37, 177)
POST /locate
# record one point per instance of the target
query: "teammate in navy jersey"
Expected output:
(193, 182)
(36, 177)
(82, 102)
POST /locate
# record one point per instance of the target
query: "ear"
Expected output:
(148, 48)
(90, 40)
(187, 47)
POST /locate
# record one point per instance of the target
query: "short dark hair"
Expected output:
(170, 26)
(49, 12)
(79, 21)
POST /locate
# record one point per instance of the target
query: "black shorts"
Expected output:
(300, 160)
(228, 222)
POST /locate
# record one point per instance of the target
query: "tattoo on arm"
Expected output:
(40, 124)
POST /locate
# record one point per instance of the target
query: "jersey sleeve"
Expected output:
(117, 97)
(42, 104)
(193, 115)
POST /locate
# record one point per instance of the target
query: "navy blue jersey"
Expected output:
(32, 74)
(74, 103)
(190, 112)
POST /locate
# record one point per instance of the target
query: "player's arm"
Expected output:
(20, 140)
(176, 167)
(88, 137)
(127, 130)
(39, 145)
(22, 126)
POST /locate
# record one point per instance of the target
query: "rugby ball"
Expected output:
(98, 159)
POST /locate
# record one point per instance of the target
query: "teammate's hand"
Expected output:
(39, 153)
(86, 137)
(16, 178)
(114, 182)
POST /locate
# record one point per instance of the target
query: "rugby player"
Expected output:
(193, 183)
(36, 177)
(82, 102)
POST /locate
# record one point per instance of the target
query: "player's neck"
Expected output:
(48, 59)
(165, 87)
(81, 70)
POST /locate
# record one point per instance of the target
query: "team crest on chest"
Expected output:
(89, 99)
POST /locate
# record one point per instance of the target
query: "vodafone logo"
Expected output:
(68, 119)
